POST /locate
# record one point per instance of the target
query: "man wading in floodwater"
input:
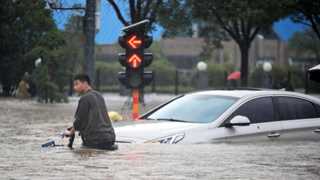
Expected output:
(91, 117)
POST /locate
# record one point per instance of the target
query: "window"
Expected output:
(294, 108)
(198, 108)
(258, 110)
(318, 109)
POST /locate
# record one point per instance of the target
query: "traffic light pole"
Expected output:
(135, 104)
(134, 41)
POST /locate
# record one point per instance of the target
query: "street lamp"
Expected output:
(202, 66)
(260, 53)
(202, 75)
(37, 62)
(267, 67)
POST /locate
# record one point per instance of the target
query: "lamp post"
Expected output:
(202, 75)
(37, 62)
(260, 47)
(176, 82)
(267, 67)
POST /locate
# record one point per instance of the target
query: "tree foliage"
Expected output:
(74, 43)
(61, 52)
(242, 20)
(52, 74)
(305, 44)
(22, 24)
(138, 11)
(175, 17)
(306, 12)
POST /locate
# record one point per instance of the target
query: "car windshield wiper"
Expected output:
(170, 119)
(149, 119)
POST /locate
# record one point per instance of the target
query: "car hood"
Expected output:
(144, 130)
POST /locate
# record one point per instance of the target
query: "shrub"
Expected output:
(217, 74)
(164, 72)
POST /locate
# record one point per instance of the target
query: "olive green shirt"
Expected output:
(92, 120)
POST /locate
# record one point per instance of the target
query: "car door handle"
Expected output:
(273, 135)
(317, 130)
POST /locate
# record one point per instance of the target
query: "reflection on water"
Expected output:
(25, 126)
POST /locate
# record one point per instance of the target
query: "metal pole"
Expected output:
(153, 88)
(176, 82)
(135, 104)
(306, 90)
(89, 31)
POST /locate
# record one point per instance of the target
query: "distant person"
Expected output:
(91, 117)
(23, 89)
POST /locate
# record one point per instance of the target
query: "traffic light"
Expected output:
(135, 60)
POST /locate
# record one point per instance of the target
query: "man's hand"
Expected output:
(69, 132)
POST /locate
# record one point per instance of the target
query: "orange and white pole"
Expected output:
(135, 104)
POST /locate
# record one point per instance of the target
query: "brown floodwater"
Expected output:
(25, 125)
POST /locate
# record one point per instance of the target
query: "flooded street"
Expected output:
(25, 125)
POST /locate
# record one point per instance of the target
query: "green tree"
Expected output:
(52, 74)
(22, 24)
(242, 20)
(74, 44)
(306, 12)
(175, 17)
(138, 11)
(305, 43)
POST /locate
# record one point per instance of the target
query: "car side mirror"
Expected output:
(238, 121)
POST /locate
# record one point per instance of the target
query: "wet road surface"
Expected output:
(25, 125)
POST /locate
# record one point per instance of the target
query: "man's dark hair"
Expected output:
(82, 78)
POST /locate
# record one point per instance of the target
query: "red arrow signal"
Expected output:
(134, 61)
(134, 42)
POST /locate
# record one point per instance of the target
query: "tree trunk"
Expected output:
(244, 50)
(315, 25)
(89, 31)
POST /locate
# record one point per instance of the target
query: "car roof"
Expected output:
(231, 93)
(252, 93)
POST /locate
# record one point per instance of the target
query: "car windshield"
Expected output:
(194, 108)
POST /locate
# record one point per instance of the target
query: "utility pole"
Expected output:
(89, 30)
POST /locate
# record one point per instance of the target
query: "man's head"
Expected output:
(81, 83)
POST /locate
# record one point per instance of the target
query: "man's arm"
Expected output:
(70, 132)
(81, 116)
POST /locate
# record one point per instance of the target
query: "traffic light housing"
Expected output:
(135, 60)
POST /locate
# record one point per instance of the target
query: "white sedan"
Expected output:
(227, 116)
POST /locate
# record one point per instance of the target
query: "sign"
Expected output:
(134, 42)
(134, 61)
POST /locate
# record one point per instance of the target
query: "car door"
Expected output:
(263, 122)
(300, 118)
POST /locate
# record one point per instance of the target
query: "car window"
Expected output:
(258, 110)
(294, 108)
(194, 108)
(318, 109)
